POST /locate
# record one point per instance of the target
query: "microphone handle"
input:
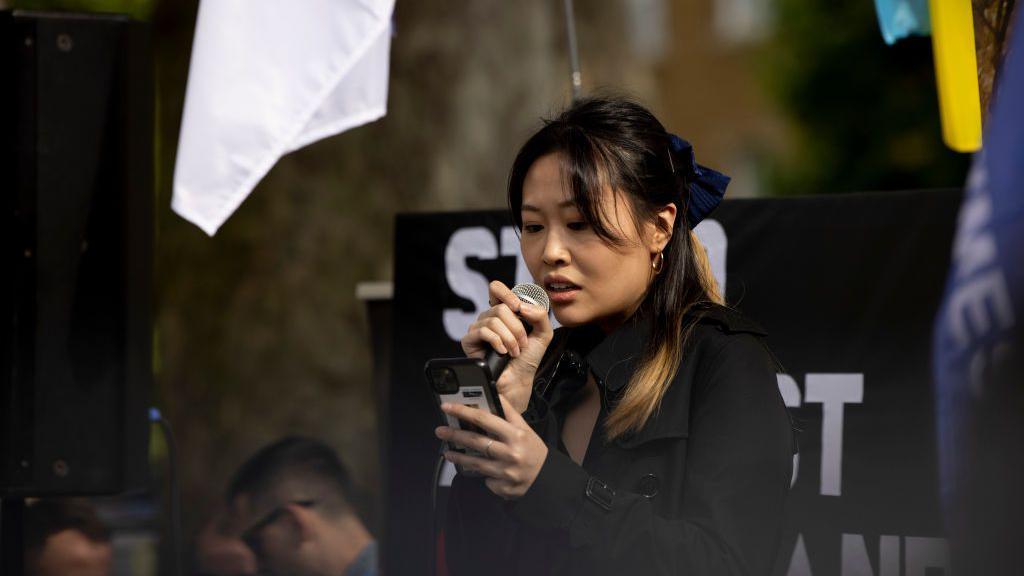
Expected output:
(496, 362)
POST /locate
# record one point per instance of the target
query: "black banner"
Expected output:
(847, 287)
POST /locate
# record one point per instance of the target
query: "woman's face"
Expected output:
(587, 279)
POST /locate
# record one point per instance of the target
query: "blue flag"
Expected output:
(901, 18)
(978, 347)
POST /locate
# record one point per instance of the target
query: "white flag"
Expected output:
(269, 77)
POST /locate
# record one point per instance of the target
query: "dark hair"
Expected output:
(46, 517)
(617, 144)
(294, 460)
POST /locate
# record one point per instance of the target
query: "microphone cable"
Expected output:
(172, 475)
(438, 469)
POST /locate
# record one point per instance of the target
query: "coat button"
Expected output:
(649, 485)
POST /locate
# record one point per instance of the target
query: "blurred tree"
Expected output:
(992, 20)
(866, 114)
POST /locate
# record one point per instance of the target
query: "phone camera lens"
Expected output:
(451, 383)
(446, 381)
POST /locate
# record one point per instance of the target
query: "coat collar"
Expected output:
(613, 358)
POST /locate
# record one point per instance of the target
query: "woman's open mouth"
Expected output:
(561, 292)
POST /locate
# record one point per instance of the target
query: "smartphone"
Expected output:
(463, 381)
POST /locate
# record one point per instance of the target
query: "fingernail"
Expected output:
(448, 456)
(440, 431)
(446, 406)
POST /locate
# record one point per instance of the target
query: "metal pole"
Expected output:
(574, 56)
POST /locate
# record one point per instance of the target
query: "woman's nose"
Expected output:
(555, 250)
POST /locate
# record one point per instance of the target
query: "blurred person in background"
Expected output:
(221, 553)
(291, 503)
(65, 537)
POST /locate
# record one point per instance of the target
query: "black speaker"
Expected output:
(76, 182)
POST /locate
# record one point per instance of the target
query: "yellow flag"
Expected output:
(956, 72)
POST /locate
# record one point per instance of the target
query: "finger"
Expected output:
(491, 447)
(472, 345)
(511, 414)
(514, 324)
(481, 465)
(491, 337)
(498, 326)
(499, 293)
(475, 343)
(497, 427)
(537, 316)
(462, 438)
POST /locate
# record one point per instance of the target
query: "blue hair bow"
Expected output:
(706, 186)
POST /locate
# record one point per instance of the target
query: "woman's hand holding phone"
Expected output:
(500, 328)
(515, 452)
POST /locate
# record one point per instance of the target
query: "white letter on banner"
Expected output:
(716, 243)
(854, 560)
(791, 397)
(833, 391)
(799, 563)
(924, 553)
(889, 556)
(470, 284)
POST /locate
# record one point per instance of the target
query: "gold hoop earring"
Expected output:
(659, 263)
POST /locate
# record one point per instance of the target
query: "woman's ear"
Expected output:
(664, 226)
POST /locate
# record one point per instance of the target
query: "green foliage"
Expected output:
(866, 114)
(140, 9)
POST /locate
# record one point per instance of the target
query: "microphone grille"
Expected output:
(532, 294)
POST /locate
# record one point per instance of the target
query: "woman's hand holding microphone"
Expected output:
(515, 452)
(499, 328)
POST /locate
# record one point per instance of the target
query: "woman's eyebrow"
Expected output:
(532, 208)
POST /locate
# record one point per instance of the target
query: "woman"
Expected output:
(647, 435)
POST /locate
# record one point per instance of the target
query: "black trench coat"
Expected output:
(700, 489)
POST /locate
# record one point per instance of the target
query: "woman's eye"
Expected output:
(531, 228)
(577, 226)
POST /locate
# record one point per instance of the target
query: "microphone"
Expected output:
(530, 294)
